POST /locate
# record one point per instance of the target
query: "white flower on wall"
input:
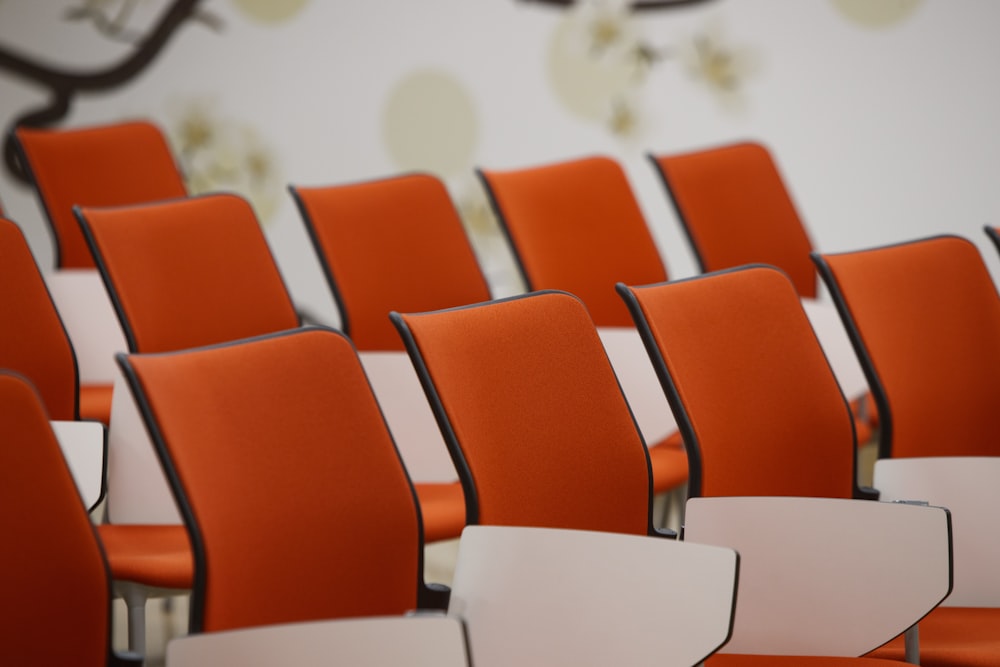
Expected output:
(223, 154)
(599, 62)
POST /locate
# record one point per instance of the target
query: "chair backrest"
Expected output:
(826, 576)
(391, 244)
(296, 501)
(188, 272)
(576, 226)
(735, 209)
(924, 317)
(421, 640)
(753, 394)
(542, 596)
(117, 164)
(33, 341)
(56, 595)
(532, 413)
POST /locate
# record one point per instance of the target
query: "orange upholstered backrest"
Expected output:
(736, 210)
(109, 165)
(753, 393)
(56, 606)
(296, 498)
(391, 244)
(531, 409)
(576, 226)
(188, 272)
(33, 341)
(925, 319)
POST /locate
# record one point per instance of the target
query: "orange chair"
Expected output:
(750, 387)
(395, 244)
(754, 395)
(33, 341)
(576, 226)
(924, 317)
(735, 209)
(390, 244)
(57, 600)
(925, 320)
(188, 272)
(314, 516)
(108, 165)
(533, 415)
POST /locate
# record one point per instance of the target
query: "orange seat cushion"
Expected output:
(668, 461)
(95, 402)
(442, 507)
(951, 636)
(154, 555)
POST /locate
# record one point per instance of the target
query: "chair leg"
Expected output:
(911, 644)
(135, 603)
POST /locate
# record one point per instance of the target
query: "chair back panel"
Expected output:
(111, 165)
(54, 579)
(33, 341)
(188, 272)
(736, 210)
(759, 406)
(392, 244)
(925, 319)
(576, 226)
(297, 500)
(533, 414)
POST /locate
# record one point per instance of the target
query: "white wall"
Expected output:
(883, 133)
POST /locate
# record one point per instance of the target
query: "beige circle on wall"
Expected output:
(586, 82)
(270, 11)
(877, 13)
(429, 123)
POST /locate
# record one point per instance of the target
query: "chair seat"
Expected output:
(442, 508)
(738, 660)
(669, 463)
(953, 636)
(158, 556)
(95, 402)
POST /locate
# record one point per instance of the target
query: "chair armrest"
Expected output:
(969, 486)
(420, 640)
(824, 576)
(85, 448)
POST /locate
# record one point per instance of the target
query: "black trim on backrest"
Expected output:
(505, 228)
(102, 269)
(447, 430)
(854, 333)
(22, 157)
(684, 425)
(106, 278)
(695, 250)
(345, 322)
(433, 596)
(994, 234)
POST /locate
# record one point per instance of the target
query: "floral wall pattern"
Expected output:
(863, 102)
